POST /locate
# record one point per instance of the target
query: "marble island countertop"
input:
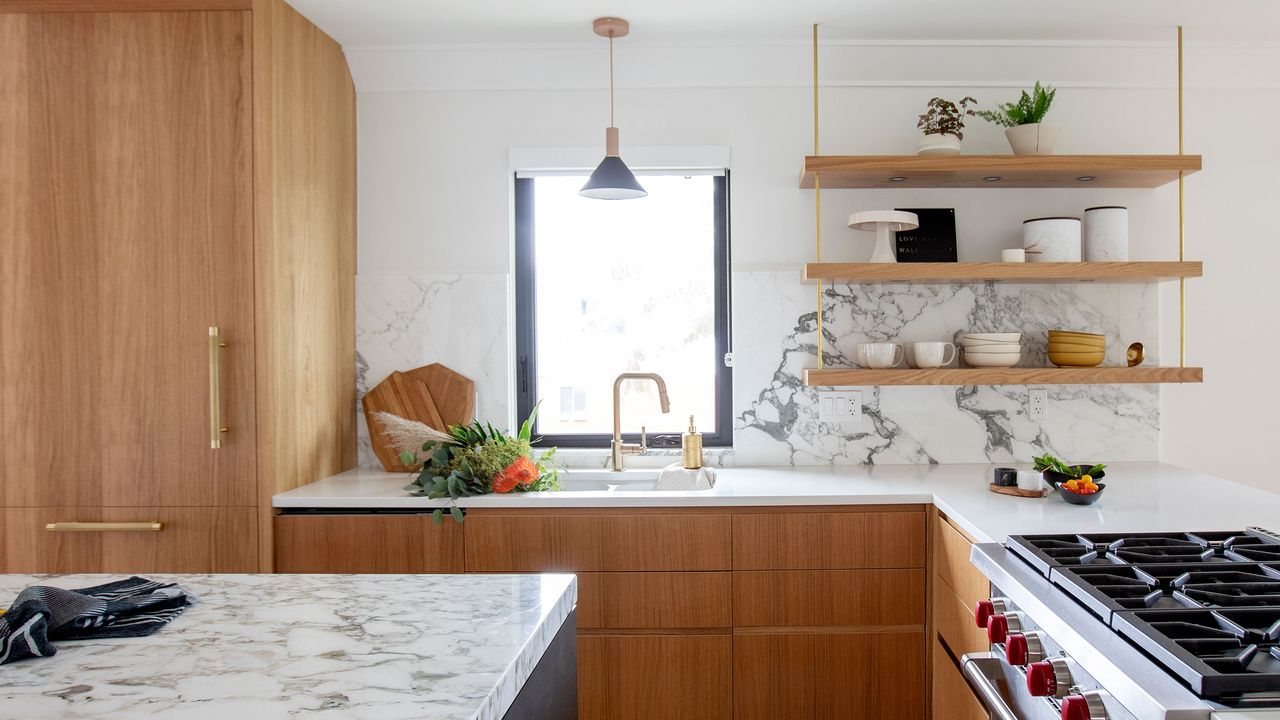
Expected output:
(1140, 496)
(323, 646)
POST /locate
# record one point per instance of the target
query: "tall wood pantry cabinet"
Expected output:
(177, 270)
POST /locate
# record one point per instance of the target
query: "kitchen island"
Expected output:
(340, 646)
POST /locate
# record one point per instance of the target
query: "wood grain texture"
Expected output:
(194, 540)
(655, 677)
(829, 540)
(402, 396)
(950, 696)
(1014, 171)
(1046, 272)
(548, 542)
(803, 676)
(829, 598)
(654, 600)
(304, 229)
(126, 194)
(454, 394)
(951, 562)
(366, 544)
(953, 622)
(1141, 375)
(66, 6)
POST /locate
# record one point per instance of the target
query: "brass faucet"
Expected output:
(617, 447)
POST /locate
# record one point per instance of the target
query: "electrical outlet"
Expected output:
(840, 407)
(1038, 404)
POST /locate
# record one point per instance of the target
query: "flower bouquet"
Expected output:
(476, 459)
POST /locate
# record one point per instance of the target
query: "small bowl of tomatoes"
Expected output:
(1081, 491)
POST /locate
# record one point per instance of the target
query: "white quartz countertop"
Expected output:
(262, 647)
(1140, 497)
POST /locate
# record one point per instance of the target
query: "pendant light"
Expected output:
(612, 180)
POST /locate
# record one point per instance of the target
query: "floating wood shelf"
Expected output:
(846, 377)
(996, 171)
(981, 272)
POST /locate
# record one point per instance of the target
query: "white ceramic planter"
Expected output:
(938, 144)
(1035, 139)
(1106, 234)
(1053, 239)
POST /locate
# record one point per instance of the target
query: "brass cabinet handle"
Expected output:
(216, 428)
(153, 526)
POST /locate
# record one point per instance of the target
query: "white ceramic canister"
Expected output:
(1106, 234)
(1051, 239)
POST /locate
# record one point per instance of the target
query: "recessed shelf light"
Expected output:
(992, 178)
(897, 178)
(1087, 178)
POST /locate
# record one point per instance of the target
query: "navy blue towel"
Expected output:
(125, 608)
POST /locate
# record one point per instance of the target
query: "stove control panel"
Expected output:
(1049, 678)
(1085, 706)
(1023, 648)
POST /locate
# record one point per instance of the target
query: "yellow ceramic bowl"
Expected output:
(1076, 359)
(1076, 336)
(1067, 347)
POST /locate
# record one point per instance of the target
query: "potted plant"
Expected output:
(943, 126)
(1027, 134)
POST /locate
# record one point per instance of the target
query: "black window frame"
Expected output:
(526, 331)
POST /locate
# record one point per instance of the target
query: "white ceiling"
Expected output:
(364, 23)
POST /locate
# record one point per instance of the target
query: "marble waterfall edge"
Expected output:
(776, 421)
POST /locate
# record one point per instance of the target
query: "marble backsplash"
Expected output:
(404, 321)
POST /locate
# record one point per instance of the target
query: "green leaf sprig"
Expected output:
(1030, 108)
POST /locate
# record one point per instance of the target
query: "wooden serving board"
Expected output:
(454, 394)
(1015, 491)
(406, 397)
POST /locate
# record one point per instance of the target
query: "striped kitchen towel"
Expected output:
(126, 608)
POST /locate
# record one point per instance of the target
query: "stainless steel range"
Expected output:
(1155, 626)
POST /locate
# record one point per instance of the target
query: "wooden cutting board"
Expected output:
(454, 394)
(407, 397)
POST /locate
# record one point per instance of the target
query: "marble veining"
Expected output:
(775, 339)
(321, 646)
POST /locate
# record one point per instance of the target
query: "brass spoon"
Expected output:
(1134, 354)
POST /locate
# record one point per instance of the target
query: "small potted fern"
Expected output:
(943, 126)
(1023, 120)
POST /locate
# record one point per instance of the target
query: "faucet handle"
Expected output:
(644, 439)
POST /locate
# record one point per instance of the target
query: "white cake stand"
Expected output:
(885, 223)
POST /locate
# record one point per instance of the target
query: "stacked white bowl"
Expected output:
(992, 349)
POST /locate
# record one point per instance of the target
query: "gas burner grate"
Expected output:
(1107, 589)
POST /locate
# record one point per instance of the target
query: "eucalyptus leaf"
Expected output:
(456, 512)
(437, 517)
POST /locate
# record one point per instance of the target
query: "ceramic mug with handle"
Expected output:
(933, 354)
(879, 356)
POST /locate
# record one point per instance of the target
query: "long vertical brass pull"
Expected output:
(216, 428)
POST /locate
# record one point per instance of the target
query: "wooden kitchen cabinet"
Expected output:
(366, 543)
(829, 598)
(956, 587)
(644, 677)
(885, 536)
(951, 698)
(165, 173)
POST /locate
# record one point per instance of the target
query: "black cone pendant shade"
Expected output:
(612, 179)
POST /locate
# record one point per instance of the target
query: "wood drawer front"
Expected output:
(655, 677)
(497, 542)
(871, 676)
(654, 600)
(829, 540)
(951, 698)
(791, 598)
(366, 544)
(953, 621)
(951, 558)
(193, 540)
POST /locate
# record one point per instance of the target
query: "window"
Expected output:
(606, 287)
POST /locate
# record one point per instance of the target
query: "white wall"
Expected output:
(436, 128)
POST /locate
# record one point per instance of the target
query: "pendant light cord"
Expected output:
(610, 78)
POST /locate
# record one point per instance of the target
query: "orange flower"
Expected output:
(523, 472)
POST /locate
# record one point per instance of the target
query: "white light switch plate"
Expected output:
(840, 407)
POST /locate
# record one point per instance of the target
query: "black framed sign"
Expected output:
(933, 241)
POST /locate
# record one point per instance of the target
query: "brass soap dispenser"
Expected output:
(691, 447)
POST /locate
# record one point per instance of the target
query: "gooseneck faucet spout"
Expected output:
(618, 448)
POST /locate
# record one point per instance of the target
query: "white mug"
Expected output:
(1030, 480)
(1013, 255)
(933, 354)
(880, 355)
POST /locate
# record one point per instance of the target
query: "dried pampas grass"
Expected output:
(408, 435)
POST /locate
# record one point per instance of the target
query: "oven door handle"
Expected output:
(983, 670)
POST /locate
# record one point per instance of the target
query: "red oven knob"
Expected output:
(1001, 624)
(1085, 706)
(1023, 648)
(983, 611)
(1048, 678)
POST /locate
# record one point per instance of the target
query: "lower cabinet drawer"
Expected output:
(870, 676)
(953, 621)
(654, 600)
(366, 543)
(655, 677)
(120, 540)
(952, 699)
(843, 598)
